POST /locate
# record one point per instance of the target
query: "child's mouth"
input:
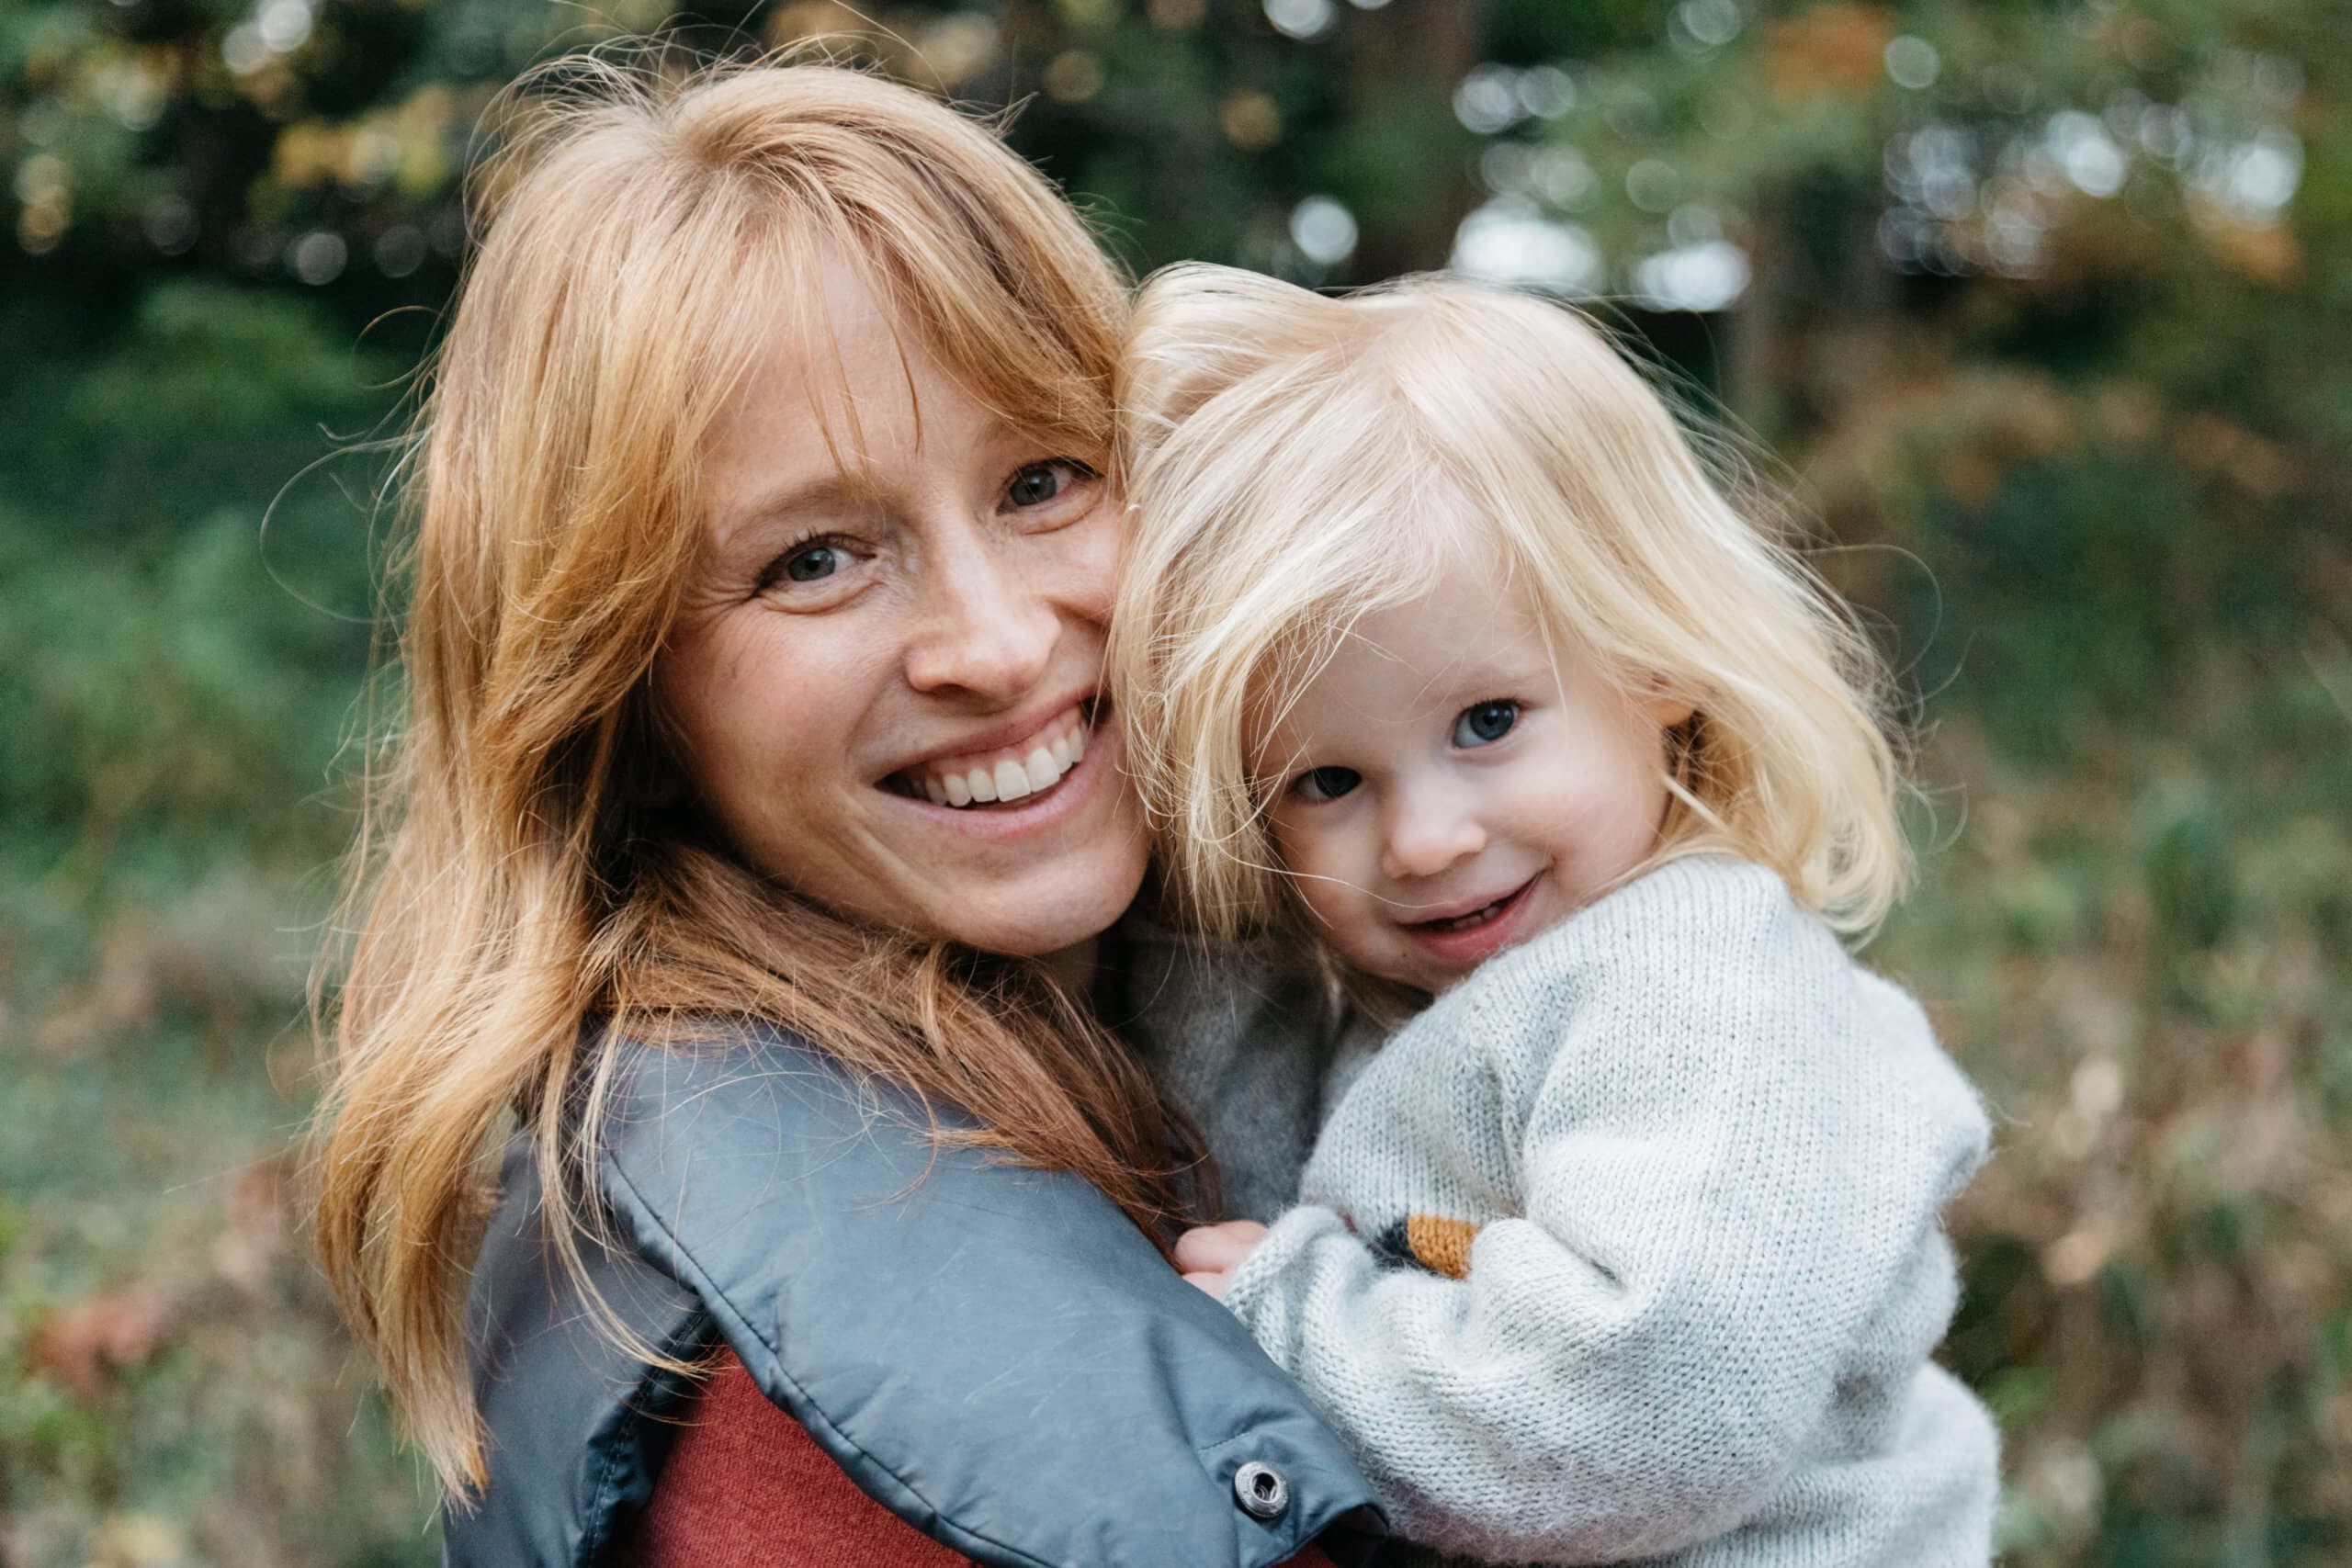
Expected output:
(1484, 915)
(1459, 943)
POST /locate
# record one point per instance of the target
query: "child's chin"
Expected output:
(1415, 972)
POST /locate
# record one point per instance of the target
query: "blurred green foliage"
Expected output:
(2040, 306)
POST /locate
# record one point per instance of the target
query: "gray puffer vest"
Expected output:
(995, 1354)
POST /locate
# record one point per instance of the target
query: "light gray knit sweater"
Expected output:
(1629, 1247)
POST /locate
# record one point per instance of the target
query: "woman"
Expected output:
(757, 600)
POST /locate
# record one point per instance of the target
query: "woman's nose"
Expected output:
(1427, 832)
(981, 630)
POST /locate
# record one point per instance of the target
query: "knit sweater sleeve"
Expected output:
(1687, 1162)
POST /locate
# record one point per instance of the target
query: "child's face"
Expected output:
(1442, 794)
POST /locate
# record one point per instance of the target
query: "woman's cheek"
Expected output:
(1083, 559)
(759, 696)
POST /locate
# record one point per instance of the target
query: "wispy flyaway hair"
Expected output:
(1280, 451)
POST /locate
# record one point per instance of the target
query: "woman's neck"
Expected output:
(1074, 967)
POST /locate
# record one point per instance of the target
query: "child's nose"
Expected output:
(1425, 836)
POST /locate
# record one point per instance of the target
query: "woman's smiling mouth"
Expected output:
(1016, 773)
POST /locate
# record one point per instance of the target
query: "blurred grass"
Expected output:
(2132, 936)
(173, 1385)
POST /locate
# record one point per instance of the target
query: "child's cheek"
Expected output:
(1328, 882)
(1301, 843)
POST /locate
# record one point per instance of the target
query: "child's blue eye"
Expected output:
(1483, 724)
(1325, 783)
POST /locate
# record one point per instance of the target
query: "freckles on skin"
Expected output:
(737, 661)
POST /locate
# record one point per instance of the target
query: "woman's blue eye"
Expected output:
(812, 563)
(1483, 724)
(1041, 482)
(1325, 783)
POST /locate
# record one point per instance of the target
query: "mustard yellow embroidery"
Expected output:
(1440, 1244)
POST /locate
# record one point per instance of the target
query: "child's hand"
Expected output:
(1208, 1255)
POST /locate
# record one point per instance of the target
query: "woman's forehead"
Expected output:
(831, 368)
(840, 400)
(845, 395)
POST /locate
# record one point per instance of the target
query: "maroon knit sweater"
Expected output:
(746, 1487)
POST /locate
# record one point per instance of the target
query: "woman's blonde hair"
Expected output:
(525, 871)
(1291, 462)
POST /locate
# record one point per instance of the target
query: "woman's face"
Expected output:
(886, 670)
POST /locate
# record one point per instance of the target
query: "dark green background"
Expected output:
(2053, 346)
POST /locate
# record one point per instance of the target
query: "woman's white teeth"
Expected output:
(1007, 778)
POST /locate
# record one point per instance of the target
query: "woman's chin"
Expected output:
(1026, 880)
(1063, 907)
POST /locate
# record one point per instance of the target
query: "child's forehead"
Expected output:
(1474, 613)
(1470, 634)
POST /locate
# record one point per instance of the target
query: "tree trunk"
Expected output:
(1406, 59)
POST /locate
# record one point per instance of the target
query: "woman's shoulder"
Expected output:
(991, 1351)
(744, 1107)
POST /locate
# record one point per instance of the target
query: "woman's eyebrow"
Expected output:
(826, 492)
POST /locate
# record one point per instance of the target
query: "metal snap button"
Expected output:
(1262, 1491)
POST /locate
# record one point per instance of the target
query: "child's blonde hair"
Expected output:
(1280, 451)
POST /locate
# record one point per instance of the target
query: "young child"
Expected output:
(1437, 646)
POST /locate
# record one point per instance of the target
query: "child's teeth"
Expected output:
(1012, 782)
(960, 792)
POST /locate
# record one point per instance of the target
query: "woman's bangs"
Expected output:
(1039, 355)
(1010, 356)
(1005, 353)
